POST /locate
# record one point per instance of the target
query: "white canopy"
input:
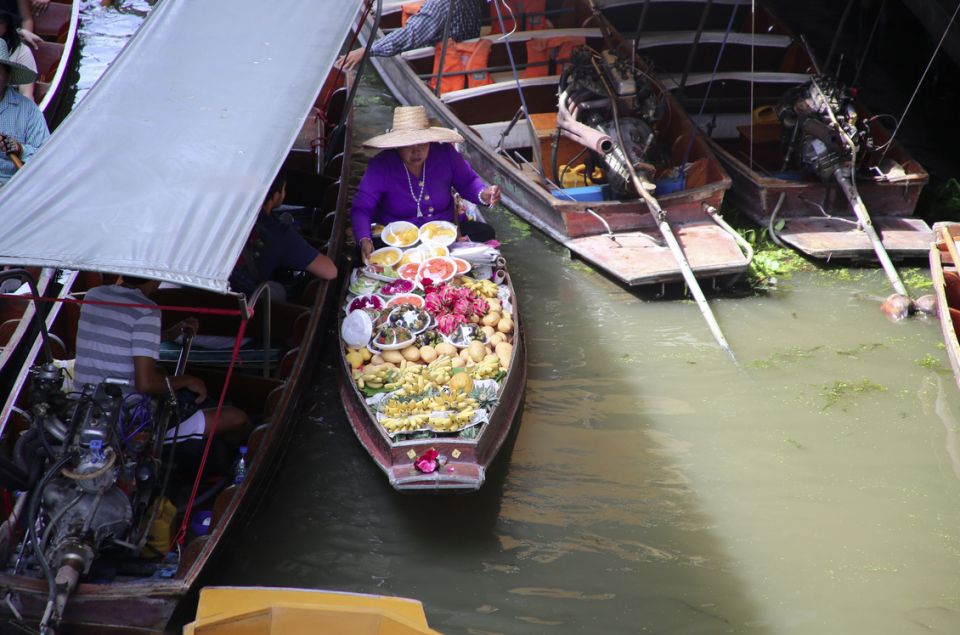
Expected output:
(161, 170)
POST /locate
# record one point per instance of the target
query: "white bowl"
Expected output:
(427, 233)
(390, 256)
(397, 226)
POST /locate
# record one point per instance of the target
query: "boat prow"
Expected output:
(271, 611)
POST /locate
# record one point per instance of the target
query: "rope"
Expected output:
(235, 356)
(179, 309)
(706, 96)
(920, 82)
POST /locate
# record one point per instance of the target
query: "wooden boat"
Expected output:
(265, 611)
(757, 68)
(114, 590)
(945, 273)
(426, 447)
(619, 237)
(55, 57)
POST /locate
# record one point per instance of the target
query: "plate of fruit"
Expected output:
(391, 338)
(400, 234)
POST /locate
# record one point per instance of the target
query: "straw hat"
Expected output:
(19, 74)
(410, 127)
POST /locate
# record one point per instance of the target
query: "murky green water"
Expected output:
(653, 486)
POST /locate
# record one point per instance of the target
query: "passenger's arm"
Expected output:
(424, 28)
(26, 15)
(323, 267)
(150, 379)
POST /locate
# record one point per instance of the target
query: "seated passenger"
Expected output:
(22, 127)
(411, 180)
(274, 244)
(19, 40)
(123, 342)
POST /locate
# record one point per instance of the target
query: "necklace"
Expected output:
(422, 183)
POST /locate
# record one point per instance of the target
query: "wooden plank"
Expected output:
(832, 238)
(640, 257)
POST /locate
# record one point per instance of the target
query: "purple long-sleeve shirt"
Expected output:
(384, 195)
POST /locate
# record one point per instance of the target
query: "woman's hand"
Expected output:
(30, 38)
(490, 195)
(366, 248)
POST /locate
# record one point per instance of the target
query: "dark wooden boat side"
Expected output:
(148, 604)
(781, 60)
(945, 273)
(711, 250)
(58, 26)
(468, 458)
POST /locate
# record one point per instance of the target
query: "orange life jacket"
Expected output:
(408, 9)
(546, 56)
(531, 15)
(471, 56)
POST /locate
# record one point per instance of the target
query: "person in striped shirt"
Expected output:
(425, 28)
(22, 126)
(123, 342)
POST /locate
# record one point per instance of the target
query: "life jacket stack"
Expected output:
(469, 59)
(547, 56)
(528, 15)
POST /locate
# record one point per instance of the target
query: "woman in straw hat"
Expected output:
(412, 177)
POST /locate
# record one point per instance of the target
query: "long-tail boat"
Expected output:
(616, 234)
(735, 71)
(174, 199)
(433, 392)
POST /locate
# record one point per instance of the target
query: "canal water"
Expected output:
(653, 485)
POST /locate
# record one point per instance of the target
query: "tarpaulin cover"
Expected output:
(161, 170)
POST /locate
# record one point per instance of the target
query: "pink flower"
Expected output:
(427, 462)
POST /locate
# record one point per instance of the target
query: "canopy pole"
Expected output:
(443, 49)
(695, 45)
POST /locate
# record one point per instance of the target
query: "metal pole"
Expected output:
(860, 210)
(693, 47)
(534, 140)
(836, 37)
(443, 48)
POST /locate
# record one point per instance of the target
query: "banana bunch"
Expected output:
(452, 422)
(413, 383)
(485, 288)
(395, 407)
(411, 423)
(372, 376)
(487, 368)
(439, 370)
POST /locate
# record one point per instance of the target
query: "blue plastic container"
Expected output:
(669, 185)
(585, 194)
(200, 522)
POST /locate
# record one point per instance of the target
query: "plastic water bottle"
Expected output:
(240, 472)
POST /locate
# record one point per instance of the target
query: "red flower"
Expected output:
(427, 462)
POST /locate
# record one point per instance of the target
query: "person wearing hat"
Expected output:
(22, 126)
(14, 30)
(424, 28)
(411, 180)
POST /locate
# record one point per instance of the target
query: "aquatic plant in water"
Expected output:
(840, 390)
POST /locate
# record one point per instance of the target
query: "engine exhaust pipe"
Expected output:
(580, 132)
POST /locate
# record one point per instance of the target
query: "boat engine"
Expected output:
(600, 96)
(821, 128)
(97, 477)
